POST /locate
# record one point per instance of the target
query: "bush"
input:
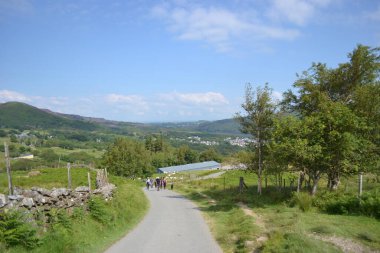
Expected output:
(98, 210)
(303, 200)
(15, 231)
(368, 204)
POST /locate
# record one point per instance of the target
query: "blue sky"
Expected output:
(174, 60)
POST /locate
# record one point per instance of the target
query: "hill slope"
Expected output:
(24, 116)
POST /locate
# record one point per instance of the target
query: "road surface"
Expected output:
(172, 225)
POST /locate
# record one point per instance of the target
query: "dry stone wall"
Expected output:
(44, 200)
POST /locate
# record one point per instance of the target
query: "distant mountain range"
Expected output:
(23, 116)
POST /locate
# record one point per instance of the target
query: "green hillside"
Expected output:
(225, 126)
(23, 116)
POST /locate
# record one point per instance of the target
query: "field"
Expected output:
(82, 229)
(243, 222)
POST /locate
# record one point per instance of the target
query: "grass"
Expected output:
(288, 228)
(61, 151)
(49, 178)
(82, 232)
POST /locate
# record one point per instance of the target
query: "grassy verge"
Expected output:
(88, 230)
(287, 228)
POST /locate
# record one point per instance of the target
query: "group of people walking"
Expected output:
(158, 183)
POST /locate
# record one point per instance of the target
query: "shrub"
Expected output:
(15, 231)
(302, 200)
(98, 210)
(368, 204)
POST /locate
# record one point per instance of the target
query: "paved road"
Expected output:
(214, 175)
(173, 224)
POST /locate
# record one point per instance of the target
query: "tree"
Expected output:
(210, 154)
(185, 155)
(257, 120)
(344, 105)
(127, 158)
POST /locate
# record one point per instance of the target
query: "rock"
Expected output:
(30, 193)
(55, 193)
(106, 190)
(40, 199)
(3, 200)
(82, 189)
(27, 202)
(42, 191)
(17, 191)
(15, 197)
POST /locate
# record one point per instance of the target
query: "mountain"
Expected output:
(24, 116)
(225, 126)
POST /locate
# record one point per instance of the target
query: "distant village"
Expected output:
(234, 141)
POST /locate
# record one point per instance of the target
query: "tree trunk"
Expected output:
(260, 167)
(316, 179)
(334, 181)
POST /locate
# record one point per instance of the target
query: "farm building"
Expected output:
(210, 165)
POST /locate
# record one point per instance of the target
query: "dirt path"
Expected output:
(259, 222)
(345, 244)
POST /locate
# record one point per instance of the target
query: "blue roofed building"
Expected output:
(209, 165)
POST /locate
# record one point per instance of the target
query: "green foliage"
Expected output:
(186, 155)
(24, 164)
(128, 158)
(210, 155)
(303, 200)
(338, 203)
(81, 156)
(257, 120)
(14, 230)
(59, 217)
(49, 155)
(98, 210)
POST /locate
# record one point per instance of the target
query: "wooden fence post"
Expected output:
(242, 184)
(299, 182)
(68, 175)
(360, 183)
(8, 165)
(89, 181)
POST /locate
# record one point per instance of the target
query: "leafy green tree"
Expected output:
(257, 120)
(3, 133)
(49, 155)
(186, 155)
(339, 102)
(127, 158)
(210, 154)
(13, 138)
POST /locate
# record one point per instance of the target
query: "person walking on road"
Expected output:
(158, 182)
(147, 182)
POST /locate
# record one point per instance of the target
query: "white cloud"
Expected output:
(207, 98)
(298, 12)
(7, 95)
(216, 26)
(127, 103)
(173, 106)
